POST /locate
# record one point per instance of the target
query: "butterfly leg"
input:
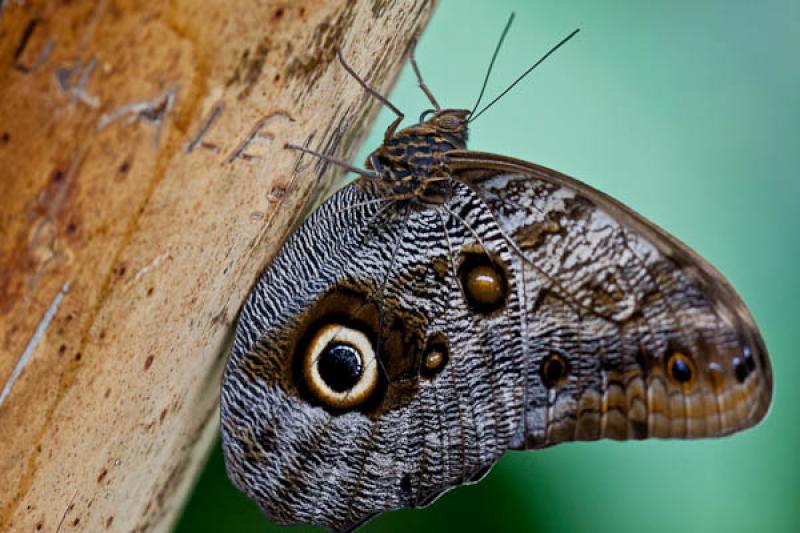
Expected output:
(428, 93)
(382, 99)
(329, 159)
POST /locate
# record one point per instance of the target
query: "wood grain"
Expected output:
(143, 186)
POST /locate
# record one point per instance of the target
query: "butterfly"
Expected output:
(450, 305)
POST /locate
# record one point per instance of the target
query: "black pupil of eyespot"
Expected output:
(740, 369)
(340, 366)
(680, 370)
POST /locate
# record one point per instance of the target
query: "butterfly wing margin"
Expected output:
(621, 300)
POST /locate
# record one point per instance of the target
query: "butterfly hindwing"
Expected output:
(629, 333)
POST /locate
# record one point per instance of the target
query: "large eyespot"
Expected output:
(680, 368)
(339, 367)
(553, 370)
(484, 282)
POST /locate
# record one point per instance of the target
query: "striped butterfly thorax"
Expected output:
(450, 305)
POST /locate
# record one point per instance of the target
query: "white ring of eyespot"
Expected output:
(369, 366)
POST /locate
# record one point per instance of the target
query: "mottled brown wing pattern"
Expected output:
(628, 333)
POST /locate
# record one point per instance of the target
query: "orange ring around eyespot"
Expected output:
(678, 358)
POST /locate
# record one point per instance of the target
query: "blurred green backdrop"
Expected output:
(688, 111)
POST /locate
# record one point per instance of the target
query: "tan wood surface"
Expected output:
(143, 186)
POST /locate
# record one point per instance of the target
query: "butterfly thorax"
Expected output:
(412, 163)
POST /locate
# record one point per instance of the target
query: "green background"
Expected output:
(688, 111)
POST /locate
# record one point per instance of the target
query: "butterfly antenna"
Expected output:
(491, 63)
(502, 94)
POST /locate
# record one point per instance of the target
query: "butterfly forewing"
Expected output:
(451, 390)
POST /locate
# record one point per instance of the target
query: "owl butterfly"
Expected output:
(450, 305)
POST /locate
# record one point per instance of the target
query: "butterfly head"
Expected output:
(451, 123)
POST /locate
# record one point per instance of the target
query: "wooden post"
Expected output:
(143, 186)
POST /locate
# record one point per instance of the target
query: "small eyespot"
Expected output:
(340, 367)
(680, 368)
(435, 357)
(553, 370)
(740, 369)
(484, 282)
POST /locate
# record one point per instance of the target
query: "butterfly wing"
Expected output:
(314, 442)
(525, 310)
(627, 332)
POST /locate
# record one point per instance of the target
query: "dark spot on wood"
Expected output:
(62, 349)
(109, 521)
(149, 361)
(102, 334)
(302, 11)
(78, 356)
(278, 192)
(162, 416)
(236, 77)
(71, 227)
(5, 137)
(57, 175)
(254, 68)
(102, 475)
(150, 291)
(321, 48)
(124, 167)
(26, 35)
(378, 7)
(107, 394)
(76, 521)
(277, 78)
(69, 317)
(278, 14)
(39, 526)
